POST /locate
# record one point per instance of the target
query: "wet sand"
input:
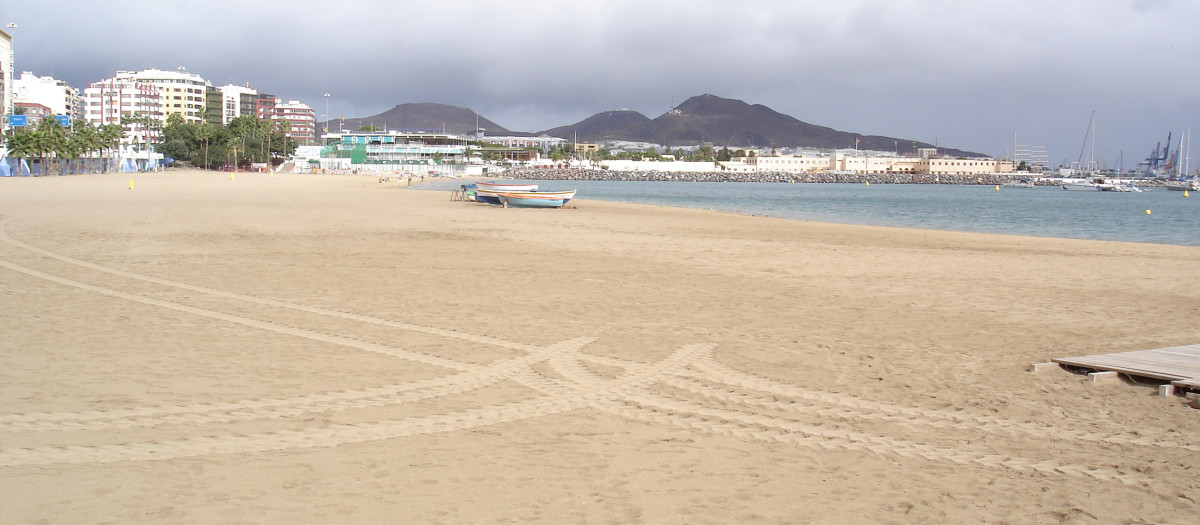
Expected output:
(307, 348)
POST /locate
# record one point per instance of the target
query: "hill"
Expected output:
(721, 122)
(734, 123)
(425, 116)
(609, 125)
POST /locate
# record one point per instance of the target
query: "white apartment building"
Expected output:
(182, 92)
(6, 76)
(867, 163)
(107, 101)
(55, 95)
(543, 142)
(236, 101)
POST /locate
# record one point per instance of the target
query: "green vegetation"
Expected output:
(246, 140)
(51, 148)
(83, 148)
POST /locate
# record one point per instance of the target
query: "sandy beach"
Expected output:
(329, 349)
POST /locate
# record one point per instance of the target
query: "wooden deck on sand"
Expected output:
(1178, 364)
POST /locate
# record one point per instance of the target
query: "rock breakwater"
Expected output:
(727, 176)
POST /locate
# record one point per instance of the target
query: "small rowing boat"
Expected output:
(536, 199)
(506, 186)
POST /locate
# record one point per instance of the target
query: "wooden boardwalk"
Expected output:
(1178, 364)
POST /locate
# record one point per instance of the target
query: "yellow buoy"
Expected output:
(1185, 193)
(131, 184)
(868, 183)
(231, 175)
(1147, 212)
(997, 188)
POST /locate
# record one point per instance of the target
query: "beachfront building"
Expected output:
(115, 101)
(33, 111)
(785, 164)
(237, 101)
(540, 143)
(111, 100)
(6, 75)
(949, 166)
(392, 151)
(182, 92)
(301, 120)
(56, 96)
(867, 163)
(212, 106)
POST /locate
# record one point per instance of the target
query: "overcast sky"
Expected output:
(963, 73)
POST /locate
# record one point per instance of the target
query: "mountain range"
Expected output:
(702, 119)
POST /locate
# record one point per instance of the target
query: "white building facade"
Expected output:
(182, 93)
(55, 95)
(863, 162)
(236, 101)
(108, 101)
(543, 142)
(6, 76)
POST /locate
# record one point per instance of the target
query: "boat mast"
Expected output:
(1089, 133)
(1187, 154)
(1092, 151)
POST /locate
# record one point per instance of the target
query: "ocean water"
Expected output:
(1041, 211)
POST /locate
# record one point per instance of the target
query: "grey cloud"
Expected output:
(963, 74)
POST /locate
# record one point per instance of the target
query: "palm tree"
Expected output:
(110, 139)
(233, 143)
(205, 133)
(21, 145)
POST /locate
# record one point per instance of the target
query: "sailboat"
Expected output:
(1089, 181)
(1185, 183)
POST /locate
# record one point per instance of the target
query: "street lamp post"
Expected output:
(326, 123)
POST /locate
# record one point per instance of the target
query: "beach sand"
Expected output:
(305, 348)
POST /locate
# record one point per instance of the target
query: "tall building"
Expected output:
(237, 101)
(301, 120)
(55, 95)
(264, 105)
(212, 106)
(182, 92)
(6, 75)
(107, 101)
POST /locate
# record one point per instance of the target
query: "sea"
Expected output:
(1157, 216)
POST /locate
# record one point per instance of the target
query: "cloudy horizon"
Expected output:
(961, 75)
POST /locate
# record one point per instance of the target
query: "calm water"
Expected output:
(1042, 211)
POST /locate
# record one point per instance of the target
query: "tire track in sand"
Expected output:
(342, 434)
(746, 424)
(627, 396)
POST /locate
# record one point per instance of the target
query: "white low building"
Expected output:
(55, 95)
(650, 165)
(866, 163)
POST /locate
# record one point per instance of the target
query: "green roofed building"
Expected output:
(390, 151)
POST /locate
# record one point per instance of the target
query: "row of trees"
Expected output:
(246, 140)
(50, 147)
